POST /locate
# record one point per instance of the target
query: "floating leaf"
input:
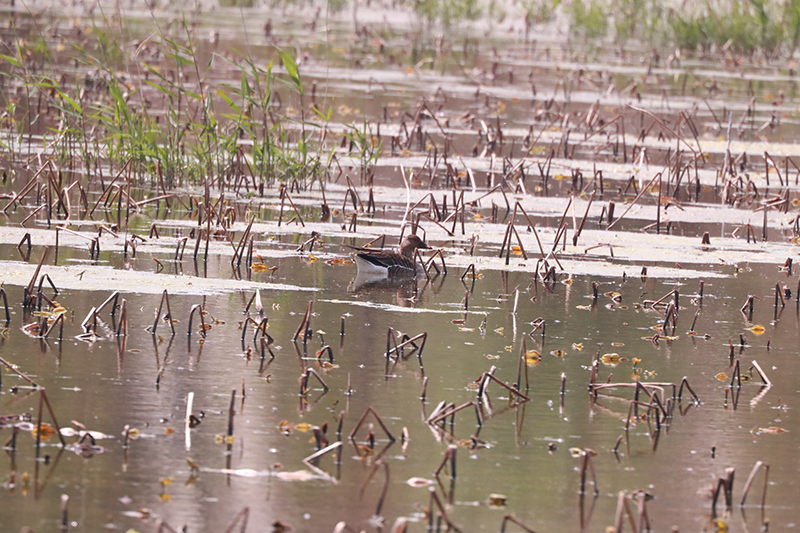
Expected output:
(617, 344)
(722, 376)
(496, 500)
(466, 329)
(45, 431)
(577, 346)
(758, 329)
(499, 331)
(584, 307)
(419, 482)
(259, 267)
(558, 353)
(339, 261)
(772, 430)
(611, 359)
(532, 358)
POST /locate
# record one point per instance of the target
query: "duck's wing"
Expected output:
(394, 263)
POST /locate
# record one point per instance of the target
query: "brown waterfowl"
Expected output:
(389, 263)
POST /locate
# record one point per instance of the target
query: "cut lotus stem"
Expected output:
(199, 309)
(470, 270)
(736, 375)
(64, 512)
(303, 323)
(761, 373)
(438, 417)
(380, 422)
(261, 328)
(5, 305)
(188, 421)
(516, 521)
(26, 239)
(749, 483)
(486, 376)
(168, 316)
(630, 206)
(434, 498)
(311, 372)
(113, 298)
(325, 349)
(724, 484)
(587, 465)
(694, 320)
(264, 343)
(583, 220)
(231, 414)
(316, 455)
(779, 298)
(449, 455)
(122, 328)
(28, 298)
(59, 320)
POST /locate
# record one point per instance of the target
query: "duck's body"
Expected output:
(389, 263)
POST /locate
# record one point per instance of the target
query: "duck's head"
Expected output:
(410, 244)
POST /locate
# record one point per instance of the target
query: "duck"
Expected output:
(389, 263)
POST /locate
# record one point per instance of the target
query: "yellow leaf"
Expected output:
(771, 430)
(45, 431)
(259, 267)
(577, 346)
(499, 331)
(758, 329)
(558, 353)
(722, 376)
(532, 358)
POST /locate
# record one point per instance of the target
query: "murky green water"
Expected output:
(106, 388)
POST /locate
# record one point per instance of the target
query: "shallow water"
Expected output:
(84, 380)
